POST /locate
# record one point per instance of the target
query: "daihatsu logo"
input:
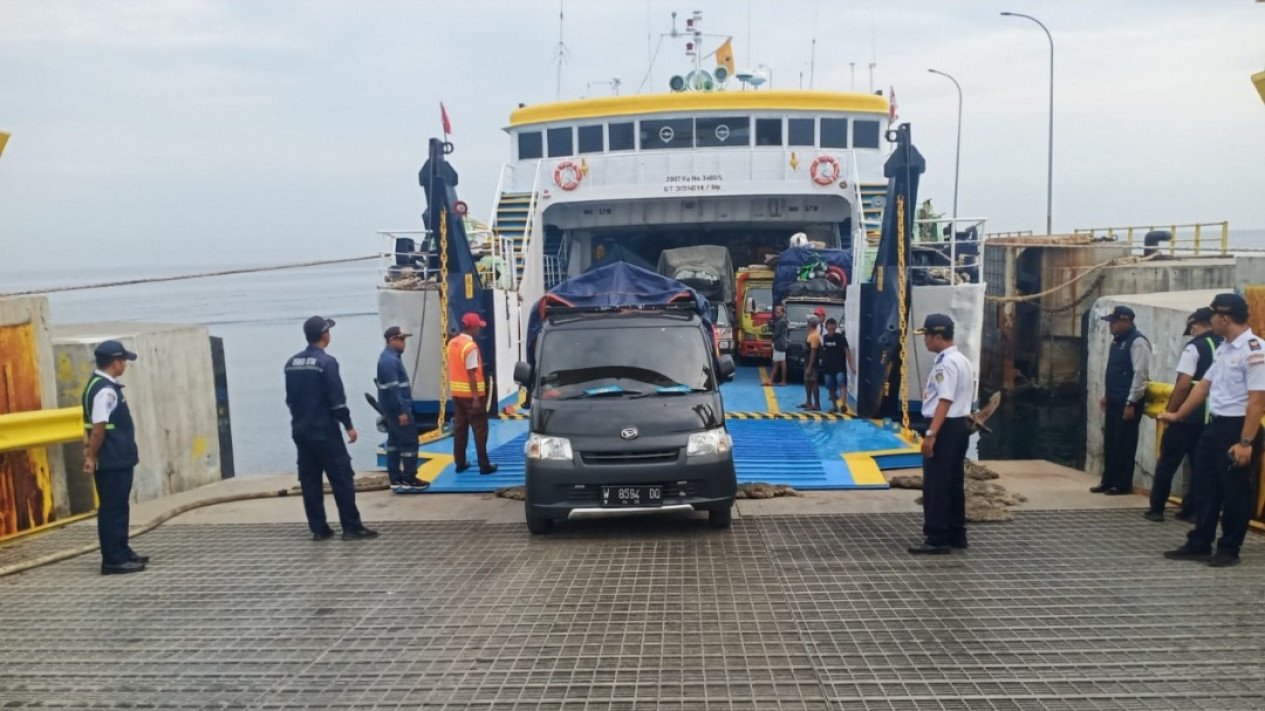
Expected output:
(628, 433)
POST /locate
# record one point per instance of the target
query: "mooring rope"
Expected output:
(197, 275)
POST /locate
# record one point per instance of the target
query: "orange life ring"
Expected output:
(567, 175)
(826, 177)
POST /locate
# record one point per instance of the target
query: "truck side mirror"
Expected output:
(522, 373)
(726, 368)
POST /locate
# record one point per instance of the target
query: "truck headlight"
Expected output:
(709, 442)
(542, 447)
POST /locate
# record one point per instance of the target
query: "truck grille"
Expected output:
(651, 456)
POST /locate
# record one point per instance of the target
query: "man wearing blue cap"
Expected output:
(1230, 446)
(110, 456)
(1128, 369)
(395, 399)
(946, 404)
(1181, 438)
(318, 405)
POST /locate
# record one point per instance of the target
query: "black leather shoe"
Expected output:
(142, 559)
(1117, 492)
(491, 469)
(357, 534)
(929, 549)
(960, 545)
(1188, 553)
(1184, 516)
(131, 566)
(1099, 489)
(1223, 560)
(323, 535)
(462, 467)
(416, 483)
(1156, 516)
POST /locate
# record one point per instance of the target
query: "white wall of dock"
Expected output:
(965, 305)
(1162, 319)
(171, 392)
(33, 310)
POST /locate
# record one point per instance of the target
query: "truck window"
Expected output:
(637, 359)
(762, 297)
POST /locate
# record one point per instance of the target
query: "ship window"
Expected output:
(559, 142)
(801, 132)
(834, 133)
(768, 132)
(865, 134)
(621, 136)
(715, 132)
(529, 145)
(667, 133)
(590, 139)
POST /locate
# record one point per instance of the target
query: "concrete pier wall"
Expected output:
(32, 482)
(171, 391)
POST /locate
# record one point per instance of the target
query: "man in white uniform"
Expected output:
(1235, 390)
(946, 403)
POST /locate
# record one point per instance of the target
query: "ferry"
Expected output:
(717, 160)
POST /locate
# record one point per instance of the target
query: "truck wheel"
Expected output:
(538, 525)
(720, 518)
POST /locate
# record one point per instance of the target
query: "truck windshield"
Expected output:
(760, 299)
(799, 313)
(573, 361)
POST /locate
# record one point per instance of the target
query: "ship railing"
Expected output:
(1198, 239)
(702, 171)
(959, 241)
(1008, 235)
(404, 258)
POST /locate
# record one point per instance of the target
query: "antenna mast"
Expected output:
(561, 55)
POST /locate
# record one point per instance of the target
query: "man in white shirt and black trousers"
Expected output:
(1234, 388)
(946, 403)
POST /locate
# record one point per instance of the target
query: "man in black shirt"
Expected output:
(835, 356)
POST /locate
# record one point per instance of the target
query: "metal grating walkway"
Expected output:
(1058, 610)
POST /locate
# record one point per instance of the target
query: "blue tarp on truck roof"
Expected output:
(793, 260)
(618, 284)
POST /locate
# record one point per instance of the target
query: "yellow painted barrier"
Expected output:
(40, 428)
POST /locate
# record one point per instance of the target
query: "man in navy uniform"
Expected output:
(1128, 368)
(1181, 438)
(395, 398)
(318, 404)
(1234, 388)
(110, 456)
(946, 403)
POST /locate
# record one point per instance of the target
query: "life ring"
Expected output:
(829, 176)
(567, 175)
(461, 208)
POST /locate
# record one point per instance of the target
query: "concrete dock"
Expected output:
(806, 603)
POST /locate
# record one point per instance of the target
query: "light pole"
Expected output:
(1049, 176)
(957, 156)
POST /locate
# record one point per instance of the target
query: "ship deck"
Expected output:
(774, 443)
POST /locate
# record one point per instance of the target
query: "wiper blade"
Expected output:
(601, 392)
(673, 390)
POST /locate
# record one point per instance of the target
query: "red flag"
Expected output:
(443, 115)
(891, 105)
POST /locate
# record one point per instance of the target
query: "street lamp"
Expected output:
(1049, 177)
(957, 156)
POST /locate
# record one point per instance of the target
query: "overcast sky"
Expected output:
(186, 132)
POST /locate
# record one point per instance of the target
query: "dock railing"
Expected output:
(1007, 235)
(1199, 239)
(38, 429)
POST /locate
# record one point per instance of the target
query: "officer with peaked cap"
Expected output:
(946, 404)
(110, 456)
(395, 398)
(1181, 438)
(1234, 388)
(318, 405)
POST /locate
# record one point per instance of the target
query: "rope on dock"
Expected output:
(1092, 270)
(196, 275)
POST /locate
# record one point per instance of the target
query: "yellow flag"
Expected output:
(725, 56)
(4, 138)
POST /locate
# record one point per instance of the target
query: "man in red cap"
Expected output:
(469, 395)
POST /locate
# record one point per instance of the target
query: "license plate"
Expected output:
(616, 496)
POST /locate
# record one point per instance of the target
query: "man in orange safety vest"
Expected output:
(469, 395)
